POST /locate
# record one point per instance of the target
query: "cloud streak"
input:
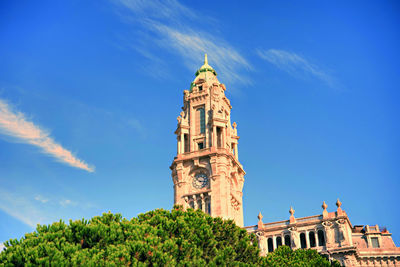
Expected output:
(174, 27)
(21, 209)
(41, 199)
(16, 125)
(294, 64)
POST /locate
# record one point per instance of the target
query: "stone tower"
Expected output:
(206, 171)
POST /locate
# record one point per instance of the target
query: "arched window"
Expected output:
(311, 236)
(191, 204)
(208, 205)
(321, 238)
(287, 240)
(199, 204)
(270, 245)
(303, 242)
(278, 241)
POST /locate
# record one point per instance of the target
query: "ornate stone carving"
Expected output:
(329, 232)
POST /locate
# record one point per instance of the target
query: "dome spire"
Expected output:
(206, 67)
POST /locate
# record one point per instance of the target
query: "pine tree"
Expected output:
(155, 238)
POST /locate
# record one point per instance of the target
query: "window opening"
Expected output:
(311, 236)
(270, 245)
(303, 242)
(186, 142)
(201, 146)
(375, 242)
(202, 121)
(219, 137)
(321, 238)
(287, 240)
(199, 204)
(278, 241)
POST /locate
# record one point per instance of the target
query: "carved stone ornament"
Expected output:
(340, 221)
(327, 224)
(259, 233)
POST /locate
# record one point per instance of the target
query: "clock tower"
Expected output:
(206, 171)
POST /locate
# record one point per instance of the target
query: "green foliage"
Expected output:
(156, 238)
(284, 256)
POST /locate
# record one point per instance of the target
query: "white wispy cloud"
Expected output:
(21, 208)
(67, 202)
(24, 206)
(294, 64)
(15, 124)
(174, 27)
(41, 199)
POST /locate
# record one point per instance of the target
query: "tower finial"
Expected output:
(205, 59)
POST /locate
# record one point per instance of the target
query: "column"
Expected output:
(236, 151)
(307, 240)
(274, 242)
(178, 142)
(195, 201)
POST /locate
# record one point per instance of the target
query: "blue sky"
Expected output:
(90, 92)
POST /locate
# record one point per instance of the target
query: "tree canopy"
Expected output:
(156, 238)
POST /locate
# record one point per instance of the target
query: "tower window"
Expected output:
(208, 205)
(374, 242)
(219, 137)
(200, 88)
(199, 204)
(186, 140)
(200, 121)
(201, 145)
(191, 204)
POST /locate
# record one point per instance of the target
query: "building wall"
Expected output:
(351, 246)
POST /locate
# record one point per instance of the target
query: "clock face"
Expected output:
(200, 181)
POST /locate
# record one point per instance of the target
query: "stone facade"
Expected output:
(207, 175)
(206, 171)
(332, 234)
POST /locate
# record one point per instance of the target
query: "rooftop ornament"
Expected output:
(260, 224)
(339, 211)
(292, 218)
(325, 214)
